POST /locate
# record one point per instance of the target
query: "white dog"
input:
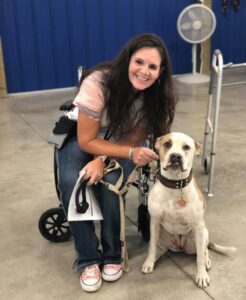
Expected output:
(176, 207)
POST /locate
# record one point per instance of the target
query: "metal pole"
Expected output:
(219, 69)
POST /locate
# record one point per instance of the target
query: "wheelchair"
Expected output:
(53, 224)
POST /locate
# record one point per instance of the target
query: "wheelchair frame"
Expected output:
(53, 224)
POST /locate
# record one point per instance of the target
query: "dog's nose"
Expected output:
(175, 157)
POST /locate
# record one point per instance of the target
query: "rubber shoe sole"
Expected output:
(91, 288)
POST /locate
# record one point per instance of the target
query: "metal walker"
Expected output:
(211, 125)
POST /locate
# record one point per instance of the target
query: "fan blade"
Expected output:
(194, 34)
(200, 10)
(191, 14)
(204, 16)
(205, 32)
(185, 26)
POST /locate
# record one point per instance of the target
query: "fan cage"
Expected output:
(190, 8)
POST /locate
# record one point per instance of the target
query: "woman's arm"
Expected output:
(89, 142)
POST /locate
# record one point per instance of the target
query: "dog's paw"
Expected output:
(148, 266)
(202, 279)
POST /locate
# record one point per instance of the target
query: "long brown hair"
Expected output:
(159, 100)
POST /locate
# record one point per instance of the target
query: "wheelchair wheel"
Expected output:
(53, 225)
(144, 222)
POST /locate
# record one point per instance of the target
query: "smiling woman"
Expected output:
(120, 103)
(144, 68)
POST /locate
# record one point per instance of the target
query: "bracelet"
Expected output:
(131, 153)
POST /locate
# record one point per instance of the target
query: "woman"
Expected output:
(129, 98)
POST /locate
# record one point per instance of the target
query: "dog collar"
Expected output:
(174, 184)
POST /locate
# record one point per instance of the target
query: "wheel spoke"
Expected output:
(54, 233)
(53, 218)
(61, 231)
(50, 223)
(64, 226)
(49, 227)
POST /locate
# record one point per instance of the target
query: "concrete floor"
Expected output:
(33, 268)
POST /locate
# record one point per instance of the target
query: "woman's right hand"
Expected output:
(93, 171)
(143, 155)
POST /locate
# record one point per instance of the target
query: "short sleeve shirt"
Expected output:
(90, 100)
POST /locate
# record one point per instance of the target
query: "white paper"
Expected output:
(93, 212)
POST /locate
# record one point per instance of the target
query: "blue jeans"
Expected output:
(71, 159)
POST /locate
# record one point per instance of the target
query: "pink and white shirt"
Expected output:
(90, 101)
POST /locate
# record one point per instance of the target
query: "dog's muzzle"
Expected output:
(175, 162)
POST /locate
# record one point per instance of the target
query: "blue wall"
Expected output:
(45, 40)
(230, 33)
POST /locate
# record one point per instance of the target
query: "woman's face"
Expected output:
(144, 68)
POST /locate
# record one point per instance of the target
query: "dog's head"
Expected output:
(176, 152)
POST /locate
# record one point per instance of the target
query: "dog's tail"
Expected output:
(221, 249)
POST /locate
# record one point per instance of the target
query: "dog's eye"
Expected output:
(167, 145)
(186, 147)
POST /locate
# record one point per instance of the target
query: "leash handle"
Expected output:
(81, 207)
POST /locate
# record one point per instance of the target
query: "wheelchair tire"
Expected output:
(144, 222)
(53, 225)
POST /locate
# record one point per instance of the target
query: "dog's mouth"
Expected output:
(175, 163)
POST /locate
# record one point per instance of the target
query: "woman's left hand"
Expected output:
(93, 171)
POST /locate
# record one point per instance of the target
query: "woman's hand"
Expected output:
(143, 155)
(93, 170)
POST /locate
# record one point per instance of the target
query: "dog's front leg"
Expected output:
(202, 278)
(149, 263)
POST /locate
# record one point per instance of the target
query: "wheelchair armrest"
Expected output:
(68, 105)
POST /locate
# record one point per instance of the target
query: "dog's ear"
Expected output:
(198, 148)
(158, 144)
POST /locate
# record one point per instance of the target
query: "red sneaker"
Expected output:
(111, 272)
(90, 279)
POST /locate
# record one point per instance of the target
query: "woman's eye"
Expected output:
(153, 67)
(138, 62)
